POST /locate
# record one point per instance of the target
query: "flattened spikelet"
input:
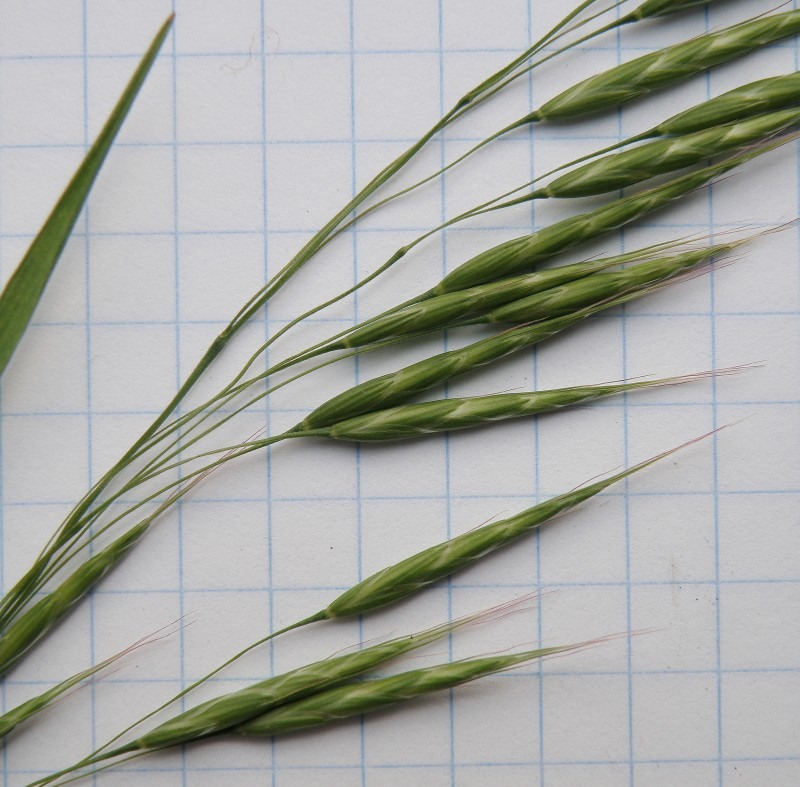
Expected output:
(437, 562)
(654, 8)
(35, 622)
(356, 699)
(523, 254)
(445, 415)
(236, 707)
(442, 310)
(618, 170)
(764, 95)
(580, 294)
(666, 67)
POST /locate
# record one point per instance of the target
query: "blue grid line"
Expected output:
(288, 141)
(420, 765)
(715, 474)
(532, 134)
(397, 230)
(177, 340)
(712, 582)
(234, 53)
(270, 523)
(544, 135)
(229, 683)
(623, 324)
(353, 231)
(332, 141)
(340, 320)
(519, 140)
(87, 261)
(410, 497)
(443, 140)
(305, 410)
(611, 314)
(519, 674)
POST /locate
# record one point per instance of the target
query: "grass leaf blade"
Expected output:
(24, 290)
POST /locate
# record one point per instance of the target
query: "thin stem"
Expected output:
(65, 558)
(193, 477)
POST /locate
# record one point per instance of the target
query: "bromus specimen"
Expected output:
(355, 699)
(25, 626)
(387, 586)
(86, 511)
(498, 286)
(646, 74)
(227, 712)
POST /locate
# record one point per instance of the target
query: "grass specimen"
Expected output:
(522, 254)
(394, 388)
(447, 415)
(39, 618)
(372, 695)
(29, 583)
(23, 624)
(25, 618)
(24, 627)
(657, 70)
(760, 97)
(392, 584)
(567, 299)
(355, 699)
(646, 74)
(230, 710)
(620, 170)
(764, 95)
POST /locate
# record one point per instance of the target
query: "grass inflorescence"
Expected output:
(502, 285)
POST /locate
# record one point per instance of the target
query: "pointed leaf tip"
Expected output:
(26, 285)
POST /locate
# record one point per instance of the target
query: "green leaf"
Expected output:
(23, 291)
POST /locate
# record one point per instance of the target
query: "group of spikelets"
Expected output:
(504, 289)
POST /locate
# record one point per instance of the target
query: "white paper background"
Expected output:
(257, 122)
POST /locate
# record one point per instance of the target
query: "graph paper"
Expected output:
(258, 122)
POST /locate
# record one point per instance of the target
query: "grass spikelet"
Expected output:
(665, 67)
(618, 170)
(579, 294)
(16, 716)
(655, 8)
(442, 310)
(91, 504)
(391, 584)
(372, 695)
(764, 95)
(36, 621)
(522, 254)
(435, 563)
(376, 394)
(397, 387)
(648, 73)
(231, 709)
(446, 415)
(226, 712)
